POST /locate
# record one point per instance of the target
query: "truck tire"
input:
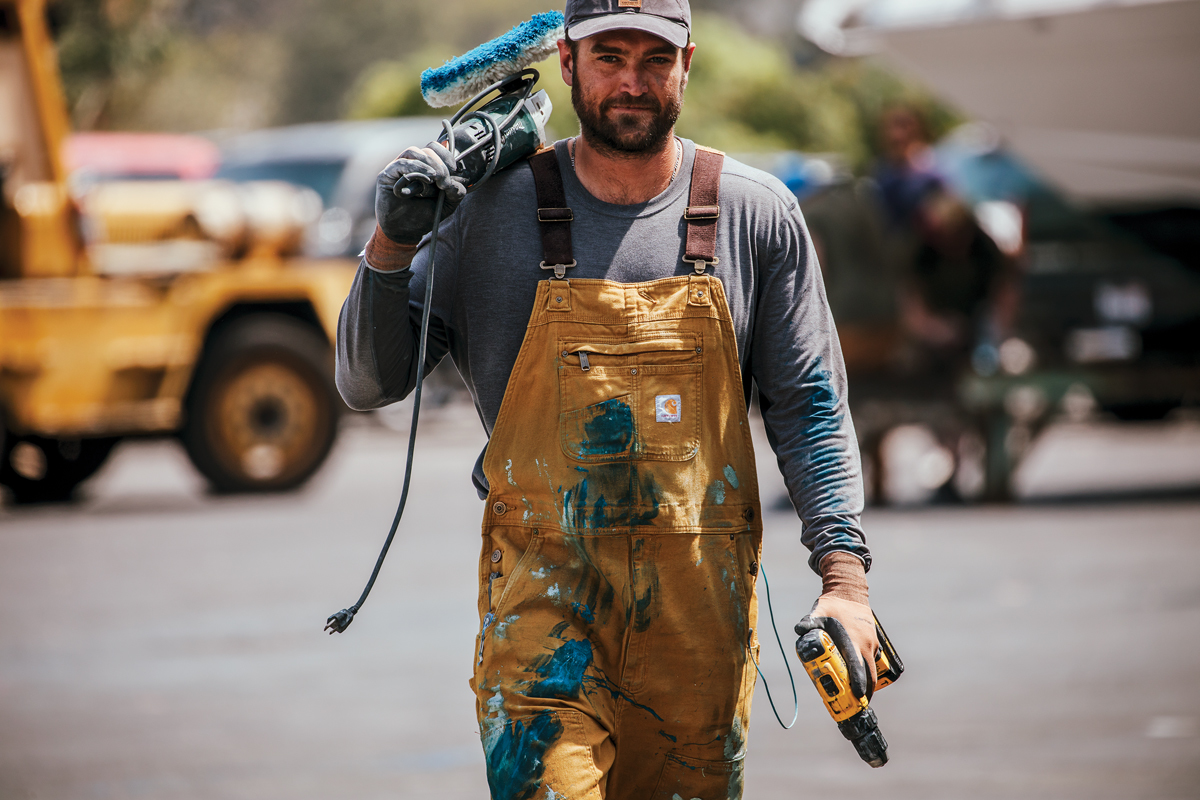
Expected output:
(261, 415)
(37, 469)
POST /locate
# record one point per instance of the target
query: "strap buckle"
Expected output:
(702, 212)
(701, 264)
(560, 270)
(555, 215)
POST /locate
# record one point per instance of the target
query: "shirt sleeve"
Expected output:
(379, 327)
(796, 362)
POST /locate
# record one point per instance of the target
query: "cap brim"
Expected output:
(671, 32)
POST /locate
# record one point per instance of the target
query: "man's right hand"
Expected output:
(403, 213)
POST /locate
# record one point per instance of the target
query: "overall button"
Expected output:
(496, 556)
(499, 507)
(748, 514)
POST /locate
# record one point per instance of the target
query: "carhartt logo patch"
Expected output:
(629, 3)
(667, 408)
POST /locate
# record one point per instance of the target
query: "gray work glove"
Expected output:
(861, 669)
(406, 192)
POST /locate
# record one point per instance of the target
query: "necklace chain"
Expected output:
(674, 172)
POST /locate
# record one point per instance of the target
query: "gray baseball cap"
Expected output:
(670, 20)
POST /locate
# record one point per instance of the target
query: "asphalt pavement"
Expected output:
(159, 642)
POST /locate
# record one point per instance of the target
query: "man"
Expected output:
(622, 528)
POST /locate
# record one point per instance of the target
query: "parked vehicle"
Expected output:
(337, 160)
(111, 156)
(186, 310)
(1107, 212)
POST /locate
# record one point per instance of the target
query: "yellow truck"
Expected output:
(185, 310)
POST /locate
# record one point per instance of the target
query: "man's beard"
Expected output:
(630, 134)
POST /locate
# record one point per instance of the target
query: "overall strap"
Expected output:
(553, 215)
(703, 209)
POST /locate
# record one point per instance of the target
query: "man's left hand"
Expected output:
(859, 624)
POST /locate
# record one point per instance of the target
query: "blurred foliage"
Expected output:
(745, 93)
(107, 47)
(204, 64)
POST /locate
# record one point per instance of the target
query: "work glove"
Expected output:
(406, 192)
(851, 626)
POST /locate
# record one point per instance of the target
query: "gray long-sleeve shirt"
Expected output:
(487, 274)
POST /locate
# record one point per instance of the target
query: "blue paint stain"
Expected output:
(602, 682)
(516, 762)
(610, 431)
(717, 492)
(681, 762)
(564, 676)
(585, 613)
(623, 498)
(821, 405)
(562, 673)
(599, 518)
(824, 451)
(731, 476)
(668, 736)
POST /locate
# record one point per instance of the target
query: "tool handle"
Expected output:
(827, 669)
(849, 655)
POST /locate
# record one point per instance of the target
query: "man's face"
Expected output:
(626, 87)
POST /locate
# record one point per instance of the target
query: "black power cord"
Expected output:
(524, 82)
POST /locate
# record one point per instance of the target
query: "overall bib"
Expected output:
(622, 535)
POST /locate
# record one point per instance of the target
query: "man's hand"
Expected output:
(859, 624)
(844, 598)
(402, 209)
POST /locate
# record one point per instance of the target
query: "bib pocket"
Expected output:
(622, 400)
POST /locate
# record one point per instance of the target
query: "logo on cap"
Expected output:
(629, 3)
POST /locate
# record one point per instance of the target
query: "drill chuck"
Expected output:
(862, 731)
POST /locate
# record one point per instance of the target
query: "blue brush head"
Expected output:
(460, 79)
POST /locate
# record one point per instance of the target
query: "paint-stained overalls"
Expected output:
(622, 534)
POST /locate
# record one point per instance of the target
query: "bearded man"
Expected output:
(622, 528)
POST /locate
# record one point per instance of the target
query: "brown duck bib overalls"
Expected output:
(622, 534)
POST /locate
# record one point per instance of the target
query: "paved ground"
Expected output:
(156, 642)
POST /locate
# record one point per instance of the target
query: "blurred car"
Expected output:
(1105, 219)
(338, 160)
(1108, 314)
(1101, 288)
(111, 156)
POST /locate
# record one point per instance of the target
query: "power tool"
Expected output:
(825, 664)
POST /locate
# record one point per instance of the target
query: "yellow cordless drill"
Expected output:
(825, 663)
